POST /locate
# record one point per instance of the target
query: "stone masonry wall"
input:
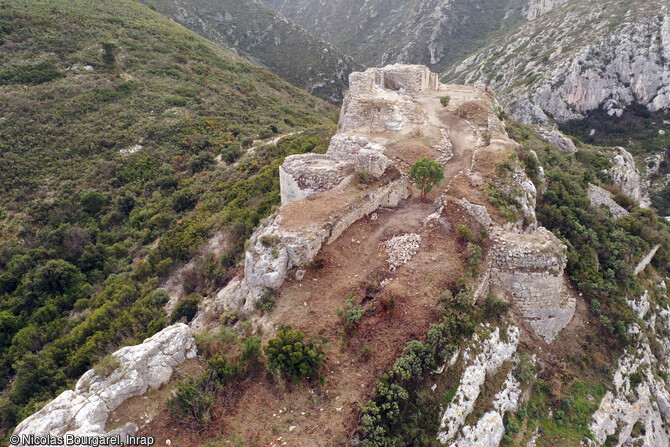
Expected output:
(528, 270)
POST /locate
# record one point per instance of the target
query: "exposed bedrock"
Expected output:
(84, 410)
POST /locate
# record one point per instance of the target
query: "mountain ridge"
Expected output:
(267, 39)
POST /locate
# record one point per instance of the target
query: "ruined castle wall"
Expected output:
(528, 269)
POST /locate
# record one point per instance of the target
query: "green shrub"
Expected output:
(524, 370)
(30, 74)
(106, 366)
(293, 356)
(187, 307)
(183, 200)
(159, 297)
(251, 349)
(363, 177)
(232, 153)
(267, 301)
(81, 305)
(93, 202)
(354, 312)
(200, 162)
(473, 257)
(465, 234)
(224, 371)
(495, 308)
(194, 400)
(444, 100)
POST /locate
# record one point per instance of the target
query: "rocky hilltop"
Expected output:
(319, 205)
(583, 56)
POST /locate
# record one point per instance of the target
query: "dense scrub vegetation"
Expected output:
(196, 396)
(112, 123)
(265, 36)
(637, 129)
(602, 251)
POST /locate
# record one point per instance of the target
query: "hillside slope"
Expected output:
(436, 33)
(580, 57)
(125, 143)
(266, 38)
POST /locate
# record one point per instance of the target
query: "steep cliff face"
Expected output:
(578, 58)
(267, 39)
(430, 32)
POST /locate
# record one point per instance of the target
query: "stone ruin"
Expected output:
(409, 79)
(305, 174)
(528, 270)
(378, 97)
(382, 97)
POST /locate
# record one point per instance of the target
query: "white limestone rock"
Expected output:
(84, 410)
(626, 176)
(577, 62)
(490, 428)
(482, 359)
(647, 402)
(536, 8)
(599, 196)
(555, 137)
(478, 212)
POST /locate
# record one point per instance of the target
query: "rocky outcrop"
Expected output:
(84, 410)
(555, 137)
(536, 8)
(600, 197)
(646, 260)
(528, 269)
(625, 175)
(482, 360)
(431, 32)
(524, 192)
(639, 397)
(586, 56)
(490, 428)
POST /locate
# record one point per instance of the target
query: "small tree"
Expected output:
(426, 173)
(292, 355)
(93, 202)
